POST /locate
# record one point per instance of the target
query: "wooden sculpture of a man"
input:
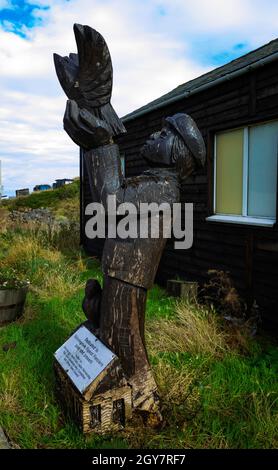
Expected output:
(117, 312)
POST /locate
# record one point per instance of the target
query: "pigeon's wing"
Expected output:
(95, 74)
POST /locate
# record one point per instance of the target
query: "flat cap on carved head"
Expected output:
(179, 144)
(87, 77)
(186, 128)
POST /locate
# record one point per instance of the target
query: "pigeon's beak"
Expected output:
(58, 62)
(61, 66)
(66, 72)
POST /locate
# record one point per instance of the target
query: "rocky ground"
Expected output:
(41, 215)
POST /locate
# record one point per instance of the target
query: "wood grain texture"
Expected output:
(122, 329)
(81, 409)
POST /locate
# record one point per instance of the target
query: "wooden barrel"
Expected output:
(12, 303)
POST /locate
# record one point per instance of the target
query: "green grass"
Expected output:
(215, 393)
(159, 305)
(29, 413)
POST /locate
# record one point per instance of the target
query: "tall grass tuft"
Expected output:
(3, 219)
(193, 329)
(9, 392)
(33, 257)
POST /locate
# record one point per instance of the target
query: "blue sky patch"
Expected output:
(211, 52)
(227, 55)
(240, 46)
(20, 15)
(161, 10)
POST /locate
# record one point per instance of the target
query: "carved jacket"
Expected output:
(132, 260)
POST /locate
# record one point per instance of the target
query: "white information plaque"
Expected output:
(83, 357)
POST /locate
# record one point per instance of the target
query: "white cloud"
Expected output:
(5, 4)
(151, 43)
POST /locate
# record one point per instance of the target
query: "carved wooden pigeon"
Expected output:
(87, 77)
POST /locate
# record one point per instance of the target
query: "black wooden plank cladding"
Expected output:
(258, 274)
(268, 261)
(262, 289)
(266, 76)
(206, 259)
(217, 238)
(270, 91)
(191, 272)
(268, 103)
(218, 108)
(249, 253)
(237, 251)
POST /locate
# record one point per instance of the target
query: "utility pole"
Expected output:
(1, 187)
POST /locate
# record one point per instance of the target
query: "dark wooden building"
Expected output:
(235, 196)
(22, 192)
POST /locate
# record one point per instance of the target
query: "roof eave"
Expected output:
(217, 81)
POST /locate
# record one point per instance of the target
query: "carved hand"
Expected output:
(84, 128)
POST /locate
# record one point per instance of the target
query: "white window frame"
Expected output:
(244, 218)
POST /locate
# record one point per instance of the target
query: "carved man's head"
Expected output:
(179, 143)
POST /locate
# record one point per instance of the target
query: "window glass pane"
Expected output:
(262, 179)
(122, 158)
(229, 170)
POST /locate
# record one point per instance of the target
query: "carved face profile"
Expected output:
(157, 149)
(179, 143)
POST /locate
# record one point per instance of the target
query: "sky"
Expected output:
(155, 46)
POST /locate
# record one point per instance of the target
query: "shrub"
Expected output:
(222, 294)
(9, 279)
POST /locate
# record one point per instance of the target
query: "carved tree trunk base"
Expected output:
(125, 387)
(145, 398)
(122, 330)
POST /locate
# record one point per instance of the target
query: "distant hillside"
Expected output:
(62, 202)
(51, 198)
